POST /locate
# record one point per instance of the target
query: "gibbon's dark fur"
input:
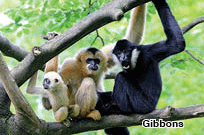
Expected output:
(138, 87)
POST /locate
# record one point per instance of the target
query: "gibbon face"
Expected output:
(127, 54)
(52, 81)
(92, 61)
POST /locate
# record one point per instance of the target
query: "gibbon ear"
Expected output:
(80, 59)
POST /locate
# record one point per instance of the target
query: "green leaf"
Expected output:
(26, 31)
(19, 34)
(43, 18)
(18, 19)
(27, 25)
(45, 3)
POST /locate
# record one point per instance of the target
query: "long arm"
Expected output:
(175, 41)
(32, 88)
(134, 33)
(52, 65)
(136, 27)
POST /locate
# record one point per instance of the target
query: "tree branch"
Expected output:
(14, 51)
(192, 24)
(167, 114)
(20, 103)
(11, 50)
(194, 57)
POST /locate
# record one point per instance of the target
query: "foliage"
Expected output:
(182, 76)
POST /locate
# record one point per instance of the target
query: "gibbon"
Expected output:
(55, 89)
(83, 76)
(138, 87)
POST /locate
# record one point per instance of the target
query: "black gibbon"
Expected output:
(54, 89)
(138, 87)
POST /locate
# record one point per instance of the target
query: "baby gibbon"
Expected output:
(57, 93)
(54, 89)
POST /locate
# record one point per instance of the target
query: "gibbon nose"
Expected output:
(125, 63)
(46, 83)
(93, 67)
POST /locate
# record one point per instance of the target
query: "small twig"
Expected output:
(97, 33)
(192, 24)
(194, 57)
(98, 36)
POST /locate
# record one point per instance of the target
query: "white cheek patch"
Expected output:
(87, 66)
(116, 61)
(135, 54)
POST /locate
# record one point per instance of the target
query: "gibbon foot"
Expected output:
(94, 115)
(67, 122)
(74, 111)
(61, 114)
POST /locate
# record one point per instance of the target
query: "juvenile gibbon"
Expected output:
(55, 89)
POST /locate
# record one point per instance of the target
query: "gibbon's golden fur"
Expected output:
(83, 84)
(83, 76)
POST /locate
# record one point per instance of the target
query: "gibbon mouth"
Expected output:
(125, 65)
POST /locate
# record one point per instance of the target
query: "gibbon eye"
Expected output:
(88, 60)
(56, 80)
(97, 61)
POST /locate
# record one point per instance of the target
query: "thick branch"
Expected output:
(11, 50)
(166, 114)
(20, 103)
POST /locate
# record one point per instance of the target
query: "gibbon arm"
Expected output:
(86, 97)
(52, 65)
(136, 27)
(32, 88)
(175, 41)
(134, 33)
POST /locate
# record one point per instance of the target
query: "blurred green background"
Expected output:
(24, 21)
